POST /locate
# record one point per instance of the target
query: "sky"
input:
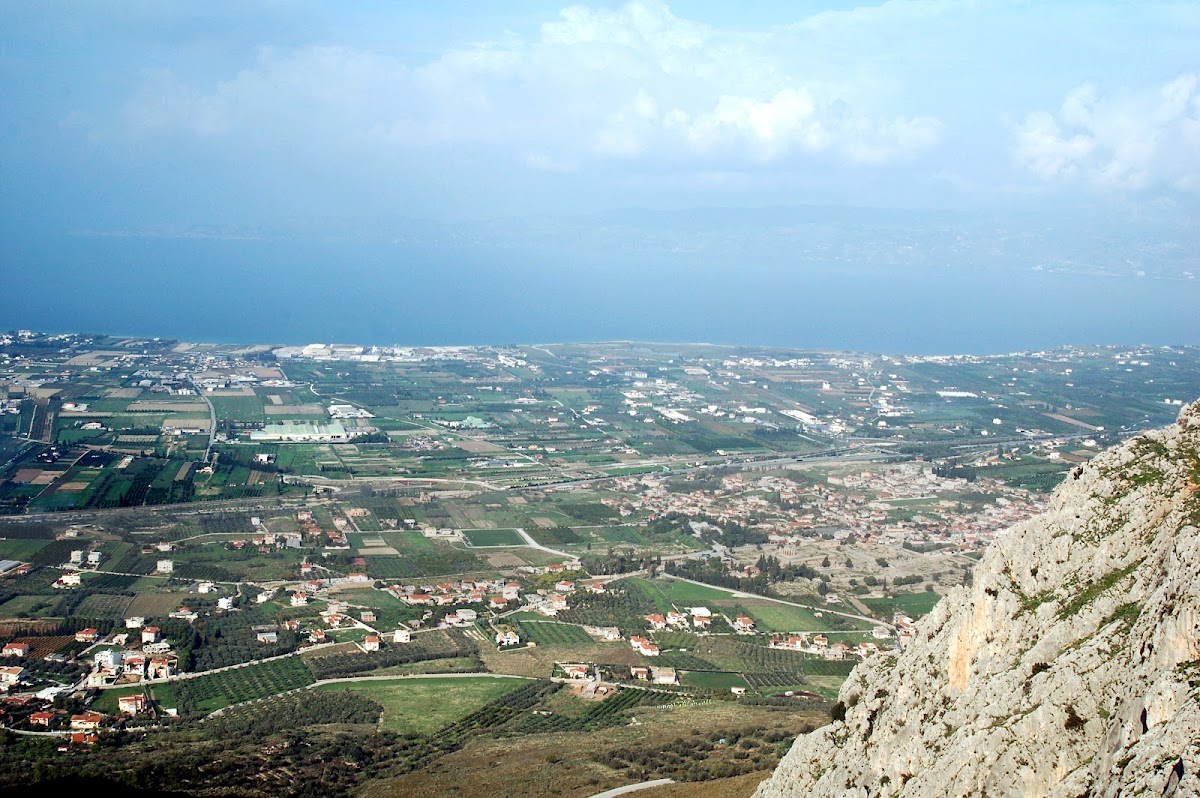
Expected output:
(131, 115)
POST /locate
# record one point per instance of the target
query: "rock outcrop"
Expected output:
(1069, 667)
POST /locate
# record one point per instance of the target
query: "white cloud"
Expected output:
(636, 82)
(1124, 141)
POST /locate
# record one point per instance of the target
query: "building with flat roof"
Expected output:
(301, 432)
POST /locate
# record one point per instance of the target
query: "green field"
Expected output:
(29, 606)
(493, 537)
(549, 633)
(785, 618)
(106, 702)
(210, 692)
(714, 680)
(20, 549)
(914, 604)
(426, 705)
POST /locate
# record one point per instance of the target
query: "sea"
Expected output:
(298, 292)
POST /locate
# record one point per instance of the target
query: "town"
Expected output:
(453, 547)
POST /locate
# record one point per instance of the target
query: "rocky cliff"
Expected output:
(1069, 667)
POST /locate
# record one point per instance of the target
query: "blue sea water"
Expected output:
(302, 291)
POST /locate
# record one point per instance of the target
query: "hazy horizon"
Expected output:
(571, 145)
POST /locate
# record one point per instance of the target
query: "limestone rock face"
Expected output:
(1069, 667)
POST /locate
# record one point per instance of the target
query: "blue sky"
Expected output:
(133, 114)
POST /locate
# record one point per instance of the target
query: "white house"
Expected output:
(10, 674)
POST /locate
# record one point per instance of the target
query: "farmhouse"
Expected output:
(10, 674)
(664, 676)
(132, 704)
(643, 646)
(575, 671)
(402, 636)
(87, 721)
(371, 643)
(16, 649)
(160, 668)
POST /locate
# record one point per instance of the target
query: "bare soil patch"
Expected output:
(27, 475)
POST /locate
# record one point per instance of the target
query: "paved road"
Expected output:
(212, 422)
(529, 541)
(642, 785)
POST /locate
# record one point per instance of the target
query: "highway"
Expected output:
(212, 420)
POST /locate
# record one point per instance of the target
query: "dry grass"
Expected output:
(554, 765)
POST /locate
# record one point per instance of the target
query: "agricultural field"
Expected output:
(546, 633)
(103, 605)
(29, 607)
(493, 537)
(210, 692)
(914, 605)
(545, 445)
(425, 705)
(20, 549)
(155, 605)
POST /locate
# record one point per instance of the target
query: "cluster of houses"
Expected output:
(78, 562)
(697, 619)
(495, 593)
(552, 602)
(149, 658)
(270, 541)
(81, 729)
(643, 673)
(819, 645)
(334, 539)
(858, 503)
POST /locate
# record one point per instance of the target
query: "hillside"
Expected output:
(1069, 667)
